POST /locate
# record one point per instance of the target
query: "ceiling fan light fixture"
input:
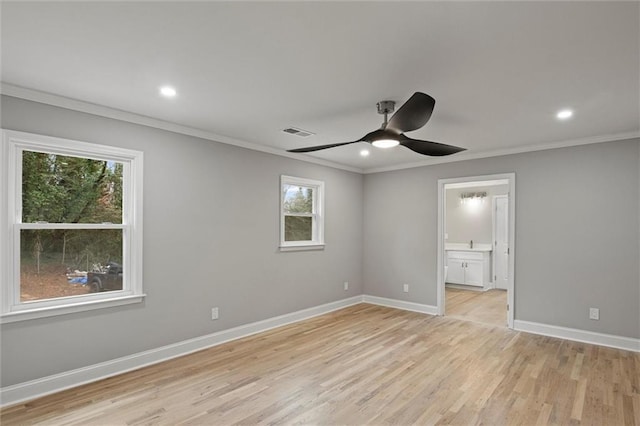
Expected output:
(385, 143)
(383, 138)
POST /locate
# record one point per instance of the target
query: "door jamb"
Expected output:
(511, 177)
(494, 216)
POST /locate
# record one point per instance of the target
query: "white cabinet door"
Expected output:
(473, 273)
(455, 273)
(468, 268)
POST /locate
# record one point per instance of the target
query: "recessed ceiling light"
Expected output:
(364, 152)
(168, 91)
(564, 114)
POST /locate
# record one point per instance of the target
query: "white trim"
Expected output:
(59, 309)
(511, 285)
(440, 283)
(511, 178)
(466, 287)
(462, 185)
(5, 230)
(30, 390)
(302, 247)
(401, 304)
(45, 225)
(317, 214)
(51, 384)
(574, 334)
(103, 111)
(466, 155)
(13, 144)
(494, 217)
(440, 278)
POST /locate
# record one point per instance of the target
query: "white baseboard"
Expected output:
(401, 304)
(466, 287)
(26, 391)
(21, 392)
(612, 341)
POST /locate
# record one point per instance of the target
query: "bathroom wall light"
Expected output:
(472, 197)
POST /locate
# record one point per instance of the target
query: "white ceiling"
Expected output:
(499, 71)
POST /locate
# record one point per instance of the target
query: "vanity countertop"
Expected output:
(465, 247)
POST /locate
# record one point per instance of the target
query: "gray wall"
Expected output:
(211, 231)
(464, 222)
(212, 209)
(577, 233)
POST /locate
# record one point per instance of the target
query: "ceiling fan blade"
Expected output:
(433, 149)
(319, 147)
(413, 114)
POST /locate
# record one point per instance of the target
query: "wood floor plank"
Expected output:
(364, 364)
(488, 307)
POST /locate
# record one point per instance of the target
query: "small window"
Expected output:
(74, 234)
(301, 213)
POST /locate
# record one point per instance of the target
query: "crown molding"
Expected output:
(508, 151)
(103, 111)
(130, 117)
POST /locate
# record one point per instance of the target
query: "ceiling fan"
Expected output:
(412, 115)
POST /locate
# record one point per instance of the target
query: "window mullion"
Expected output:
(300, 214)
(46, 225)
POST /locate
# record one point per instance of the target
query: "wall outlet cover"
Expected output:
(405, 288)
(594, 313)
(346, 285)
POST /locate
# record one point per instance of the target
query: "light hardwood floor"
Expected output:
(488, 307)
(361, 365)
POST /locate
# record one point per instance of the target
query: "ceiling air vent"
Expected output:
(297, 132)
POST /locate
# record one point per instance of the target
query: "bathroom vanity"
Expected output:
(469, 266)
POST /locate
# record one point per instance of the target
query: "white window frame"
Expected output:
(317, 214)
(13, 144)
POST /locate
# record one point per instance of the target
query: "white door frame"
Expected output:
(494, 206)
(511, 178)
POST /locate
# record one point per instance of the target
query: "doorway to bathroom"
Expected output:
(476, 248)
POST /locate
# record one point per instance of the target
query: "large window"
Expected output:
(73, 234)
(301, 213)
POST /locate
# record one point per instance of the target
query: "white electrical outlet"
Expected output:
(405, 287)
(346, 285)
(214, 313)
(594, 313)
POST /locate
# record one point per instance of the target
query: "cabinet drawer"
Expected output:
(468, 255)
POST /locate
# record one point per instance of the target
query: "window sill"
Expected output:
(302, 247)
(69, 309)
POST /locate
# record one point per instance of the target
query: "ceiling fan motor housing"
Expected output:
(386, 107)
